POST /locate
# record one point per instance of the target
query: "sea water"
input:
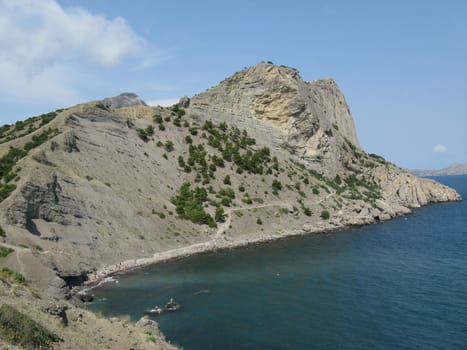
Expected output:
(400, 284)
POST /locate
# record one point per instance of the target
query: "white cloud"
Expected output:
(440, 148)
(43, 46)
(163, 102)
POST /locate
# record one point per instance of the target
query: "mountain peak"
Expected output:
(310, 119)
(125, 99)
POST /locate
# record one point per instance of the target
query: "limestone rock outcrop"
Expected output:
(310, 119)
(125, 99)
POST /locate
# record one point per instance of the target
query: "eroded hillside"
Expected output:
(261, 156)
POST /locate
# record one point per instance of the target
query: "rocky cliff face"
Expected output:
(310, 119)
(109, 184)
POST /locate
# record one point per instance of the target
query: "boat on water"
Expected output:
(172, 305)
(154, 311)
(169, 307)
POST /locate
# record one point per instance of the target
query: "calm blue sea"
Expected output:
(401, 284)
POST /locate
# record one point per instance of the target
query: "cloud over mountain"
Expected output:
(44, 46)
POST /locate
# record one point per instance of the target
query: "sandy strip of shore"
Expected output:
(217, 243)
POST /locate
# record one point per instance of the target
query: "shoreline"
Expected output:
(100, 276)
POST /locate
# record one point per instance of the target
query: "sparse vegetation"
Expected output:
(306, 211)
(157, 119)
(9, 276)
(25, 127)
(19, 329)
(189, 205)
(144, 134)
(219, 216)
(9, 160)
(276, 187)
(5, 251)
(158, 213)
(169, 146)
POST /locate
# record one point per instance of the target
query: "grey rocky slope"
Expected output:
(280, 157)
(125, 99)
(454, 169)
(75, 327)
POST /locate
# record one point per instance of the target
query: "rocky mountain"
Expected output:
(310, 119)
(109, 185)
(125, 99)
(454, 169)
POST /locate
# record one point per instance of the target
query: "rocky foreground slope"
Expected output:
(263, 155)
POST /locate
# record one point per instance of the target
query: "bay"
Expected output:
(400, 284)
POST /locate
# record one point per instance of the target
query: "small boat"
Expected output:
(169, 307)
(155, 311)
(172, 306)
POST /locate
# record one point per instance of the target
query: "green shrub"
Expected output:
(247, 199)
(10, 276)
(169, 146)
(219, 216)
(189, 205)
(161, 127)
(218, 161)
(150, 130)
(181, 162)
(315, 190)
(37, 140)
(338, 179)
(276, 185)
(5, 251)
(158, 213)
(142, 134)
(19, 329)
(5, 190)
(2, 232)
(325, 215)
(241, 188)
(227, 192)
(158, 119)
(227, 180)
(180, 111)
(188, 139)
(226, 202)
(259, 221)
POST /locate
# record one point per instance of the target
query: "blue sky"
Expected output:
(402, 65)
